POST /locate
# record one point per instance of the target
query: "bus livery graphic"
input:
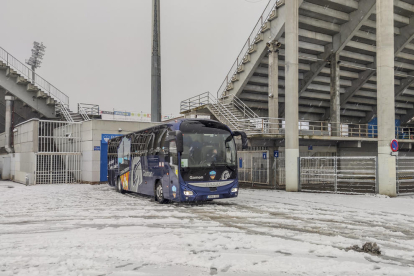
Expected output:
(187, 160)
(136, 173)
(125, 178)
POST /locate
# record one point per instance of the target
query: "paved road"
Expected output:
(92, 230)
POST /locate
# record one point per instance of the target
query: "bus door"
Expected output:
(172, 167)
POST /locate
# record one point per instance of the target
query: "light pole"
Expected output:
(35, 60)
(156, 63)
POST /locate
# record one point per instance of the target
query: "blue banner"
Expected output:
(122, 113)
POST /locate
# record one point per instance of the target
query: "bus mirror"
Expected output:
(243, 135)
(179, 141)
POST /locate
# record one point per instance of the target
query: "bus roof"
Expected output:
(175, 125)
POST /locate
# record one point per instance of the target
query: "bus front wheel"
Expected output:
(119, 188)
(159, 195)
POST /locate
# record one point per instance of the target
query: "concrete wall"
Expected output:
(91, 137)
(23, 161)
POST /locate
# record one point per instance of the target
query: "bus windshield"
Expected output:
(206, 150)
(208, 145)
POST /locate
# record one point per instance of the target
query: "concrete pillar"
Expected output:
(273, 86)
(8, 123)
(385, 97)
(335, 96)
(291, 95)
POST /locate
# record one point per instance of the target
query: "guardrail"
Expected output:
(38, 81)
(197, 101)
(404, 133)
(257, 30)
(240, 105)
(89, 109)
(266, 125)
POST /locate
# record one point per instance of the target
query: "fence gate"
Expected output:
(405, 174)
(254, 167)
(339, 174)
(59, 158)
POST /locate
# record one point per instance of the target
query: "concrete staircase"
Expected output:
(41, 96)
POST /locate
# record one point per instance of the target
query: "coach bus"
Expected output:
(184, 161)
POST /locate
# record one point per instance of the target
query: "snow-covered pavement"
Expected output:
(92, 230)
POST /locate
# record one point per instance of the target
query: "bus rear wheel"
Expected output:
(159, 195)
(119, 188)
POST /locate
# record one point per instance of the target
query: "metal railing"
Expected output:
(257, 30)
(339, 174)
(61, 108)
(89, 109)
(262, 125)
(197, 101)
(38, 81)
(83, 113)
(323, 128)
(404, 133)
(214, 105)
(242, 107)
(266, 125)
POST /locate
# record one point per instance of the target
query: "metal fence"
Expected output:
(59, 157)
(405, 174)
(38, 81)
(339, 174)
(254, 168)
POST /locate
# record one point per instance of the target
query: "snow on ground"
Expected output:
(92, 230)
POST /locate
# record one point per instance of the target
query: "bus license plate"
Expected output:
(213, 196)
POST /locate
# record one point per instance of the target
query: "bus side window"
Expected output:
(173, 153)
(149, 144)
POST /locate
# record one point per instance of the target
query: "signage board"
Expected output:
(394, 145)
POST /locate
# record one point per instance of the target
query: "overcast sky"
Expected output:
(99, 51)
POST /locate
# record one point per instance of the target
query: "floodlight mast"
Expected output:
(35, 60)
(156, 63)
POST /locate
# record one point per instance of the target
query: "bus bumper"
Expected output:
(206, 194)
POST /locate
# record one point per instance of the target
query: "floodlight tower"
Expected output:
(156, 63)
(35, 60)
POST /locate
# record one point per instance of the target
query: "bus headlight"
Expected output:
(188, 193)
(234, 190)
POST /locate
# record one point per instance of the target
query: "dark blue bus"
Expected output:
(184, 161)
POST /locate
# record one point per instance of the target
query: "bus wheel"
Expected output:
(119, 188)
(159, 195)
